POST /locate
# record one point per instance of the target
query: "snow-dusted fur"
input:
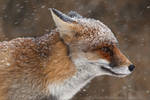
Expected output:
(96, 31)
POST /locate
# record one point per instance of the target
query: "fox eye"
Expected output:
(106, 50)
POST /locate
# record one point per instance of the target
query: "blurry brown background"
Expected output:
(128, 19)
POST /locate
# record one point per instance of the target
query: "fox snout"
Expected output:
(118, 62)
(119, 59)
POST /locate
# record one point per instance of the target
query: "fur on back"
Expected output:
(25, 70)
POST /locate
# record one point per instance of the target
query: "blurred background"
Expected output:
(128, 19)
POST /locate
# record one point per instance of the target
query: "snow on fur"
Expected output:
(95, 32)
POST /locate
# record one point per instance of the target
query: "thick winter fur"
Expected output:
(57, 65)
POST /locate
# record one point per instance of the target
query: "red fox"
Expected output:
(57, 65)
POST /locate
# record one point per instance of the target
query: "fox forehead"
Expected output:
(94, 32)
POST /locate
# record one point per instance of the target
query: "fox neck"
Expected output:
(65, 89)
(65, 55)
(69, 87)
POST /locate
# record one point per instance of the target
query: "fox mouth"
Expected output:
(121, 72)
(118, 71)
(110, 71)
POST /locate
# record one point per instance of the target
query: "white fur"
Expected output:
(86, 71)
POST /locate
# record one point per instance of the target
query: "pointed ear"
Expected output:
(63, 22)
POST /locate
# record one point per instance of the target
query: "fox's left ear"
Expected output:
(64, 23)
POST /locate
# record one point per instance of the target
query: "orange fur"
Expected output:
(120, 58)
(39, 61)
(59, 64)
(116, 57)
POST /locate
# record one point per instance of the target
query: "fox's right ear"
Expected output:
(63, 22)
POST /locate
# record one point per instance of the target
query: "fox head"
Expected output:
(92, 46)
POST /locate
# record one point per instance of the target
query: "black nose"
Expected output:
(131, 67)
